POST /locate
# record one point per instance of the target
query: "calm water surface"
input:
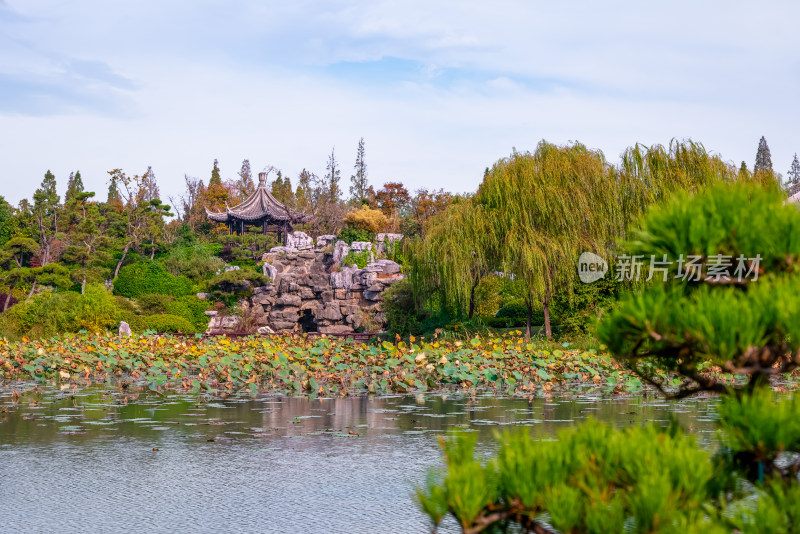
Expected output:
(84, 460)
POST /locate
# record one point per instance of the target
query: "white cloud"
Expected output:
(176, 84)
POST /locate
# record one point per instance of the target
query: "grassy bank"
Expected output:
(301, 365)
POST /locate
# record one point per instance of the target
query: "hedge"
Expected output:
(145, 278)
(168, 323)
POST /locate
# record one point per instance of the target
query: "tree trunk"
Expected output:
(152, 250)
(528, 321)
(33, 288)
(124, 253)
(472, 297)
(8, 296)
(83, 283)
(546, 304)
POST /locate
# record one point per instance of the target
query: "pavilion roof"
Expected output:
(260, 205)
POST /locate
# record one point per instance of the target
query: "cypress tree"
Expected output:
(763, 157)
(358, 191)
(245, 185)
(46, 196)
(216, 179)
(332, 178)
(793, 176)
(74, 186)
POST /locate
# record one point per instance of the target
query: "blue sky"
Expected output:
(439, 90)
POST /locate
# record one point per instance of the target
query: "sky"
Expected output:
(438, 90)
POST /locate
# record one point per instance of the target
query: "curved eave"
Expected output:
(216, 216)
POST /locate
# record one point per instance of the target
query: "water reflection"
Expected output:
(85, 459)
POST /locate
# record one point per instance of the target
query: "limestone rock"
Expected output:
(340, 250)
(349, 309)
(270, 270)
(360, 245)
(388, 238)
(306, 293)
(389, 266)
(325, 240)
(202, 296)
(283, 250)
(299, 241)
(330, 312)
(287, 314)
(289, 300)
(335, 329)
(373, 295)
(124, 329)
(231, 322)
(265, 330)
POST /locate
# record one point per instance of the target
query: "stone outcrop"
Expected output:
(312, 292)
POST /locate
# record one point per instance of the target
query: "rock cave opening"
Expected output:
(308, 322)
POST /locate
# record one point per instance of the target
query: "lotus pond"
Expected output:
(110, 459)
(278, 434)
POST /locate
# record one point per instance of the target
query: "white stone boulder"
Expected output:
(124, 329)
(299, 241)
(340, 250)
(388, 238)
(325, 240)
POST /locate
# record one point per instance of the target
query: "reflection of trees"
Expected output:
(369, 417)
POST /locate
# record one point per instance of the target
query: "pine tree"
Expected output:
(358, 191)
(333, 177)
(303, 193)
(763, 157)
(245, 186)
(148, 187)
(114, 197)
(74, 186)
(46, 196)
(744, 172)
(216, 179)
(45, 212)
(216, 195)
(793, 176)
(277, 186)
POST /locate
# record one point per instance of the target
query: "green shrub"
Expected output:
(152, 303)
(757, 429)
(197, 262)
(48, 314)
(592, 479)
(400, 310)
(43, 315)
(348, 235)
(192, 309)
(513, 309)
(97, 309)
(233, 285)
(750, 323)
(145, 278)
(168, 323)
(357, 258)
(516, 314)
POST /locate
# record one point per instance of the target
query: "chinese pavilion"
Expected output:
(260, 209)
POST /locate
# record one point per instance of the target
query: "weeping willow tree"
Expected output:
(455, 255)
(648, 176)
(535, 213)
(547, 207)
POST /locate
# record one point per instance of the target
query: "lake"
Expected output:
(107, 460)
